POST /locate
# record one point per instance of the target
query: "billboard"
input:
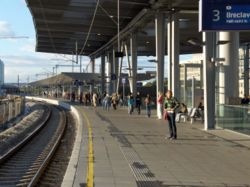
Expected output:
(224, 15)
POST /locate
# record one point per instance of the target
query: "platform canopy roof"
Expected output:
(93, 24)
(68, 79)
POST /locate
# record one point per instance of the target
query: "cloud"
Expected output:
(23, 2)
(5, 29)
(28, 48)
(24, 61)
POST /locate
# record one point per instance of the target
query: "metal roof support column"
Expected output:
(133, 49)
(209, 79)
(63, 91)
(175, 56)
(229, 74)
(92, 61)
(246, 70)
(111, 58)
(185, 84)
(115, 62)
(79, 66)
(119, 70)
(102, 73)
(70, 91)
(160, 51)
(169, 50)
(129, 67)
(108, 74)
(73, 61)
(57, 92)
(80, 90)
(201, 76)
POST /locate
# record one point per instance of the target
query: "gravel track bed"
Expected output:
(12, 136)
(53, 176)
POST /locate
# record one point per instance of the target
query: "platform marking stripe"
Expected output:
(90, 173)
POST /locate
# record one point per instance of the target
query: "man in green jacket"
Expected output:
(170, 106)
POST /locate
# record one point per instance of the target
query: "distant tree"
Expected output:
(150, 84)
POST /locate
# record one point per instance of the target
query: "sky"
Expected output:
(18, 54)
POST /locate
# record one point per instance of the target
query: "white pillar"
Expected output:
(120, 62)
(209, 39)
(133, 49)
(175, 56)
(80, 64)
(229, 71)
(185, 84)
(108, 74)
(246, 70)
(63, 91)
(80, 89)
(169, 51)
(115, 62)
(160, 52)
(129, 68)
(92, 65)
(102, 73)
(71, 90)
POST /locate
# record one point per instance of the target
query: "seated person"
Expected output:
(183, 111)
(245, 100)
(200, 111)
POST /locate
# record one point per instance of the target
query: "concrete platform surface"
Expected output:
(131, 150)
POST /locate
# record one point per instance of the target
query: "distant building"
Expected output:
(1, 72)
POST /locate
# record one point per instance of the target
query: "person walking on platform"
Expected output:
(159, 105)
(107, 102)
(114, 100)
(138, 102)
(94, 99)
(170, 106)
(148, 101)
(130, 103)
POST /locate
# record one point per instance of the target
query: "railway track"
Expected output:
(29, 160)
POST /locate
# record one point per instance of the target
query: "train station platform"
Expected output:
(121, 150)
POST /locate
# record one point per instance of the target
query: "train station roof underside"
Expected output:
(59, 24)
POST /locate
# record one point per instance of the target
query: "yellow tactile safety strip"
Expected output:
(90, 173)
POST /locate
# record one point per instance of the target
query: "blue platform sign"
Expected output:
(224, 15)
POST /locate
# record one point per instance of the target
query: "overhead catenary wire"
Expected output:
(48, 29)
(118, 25)
(90, 27)
(106, 12)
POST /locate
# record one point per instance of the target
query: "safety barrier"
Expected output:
(11, 108)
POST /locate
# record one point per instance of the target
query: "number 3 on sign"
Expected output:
(216, 15)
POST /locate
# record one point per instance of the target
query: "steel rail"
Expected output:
(17, 147)
(45, 163)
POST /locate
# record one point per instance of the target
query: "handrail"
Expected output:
(235, 106)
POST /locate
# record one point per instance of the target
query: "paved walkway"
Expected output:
(131, 150)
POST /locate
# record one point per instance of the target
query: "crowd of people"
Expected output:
(168, 107)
